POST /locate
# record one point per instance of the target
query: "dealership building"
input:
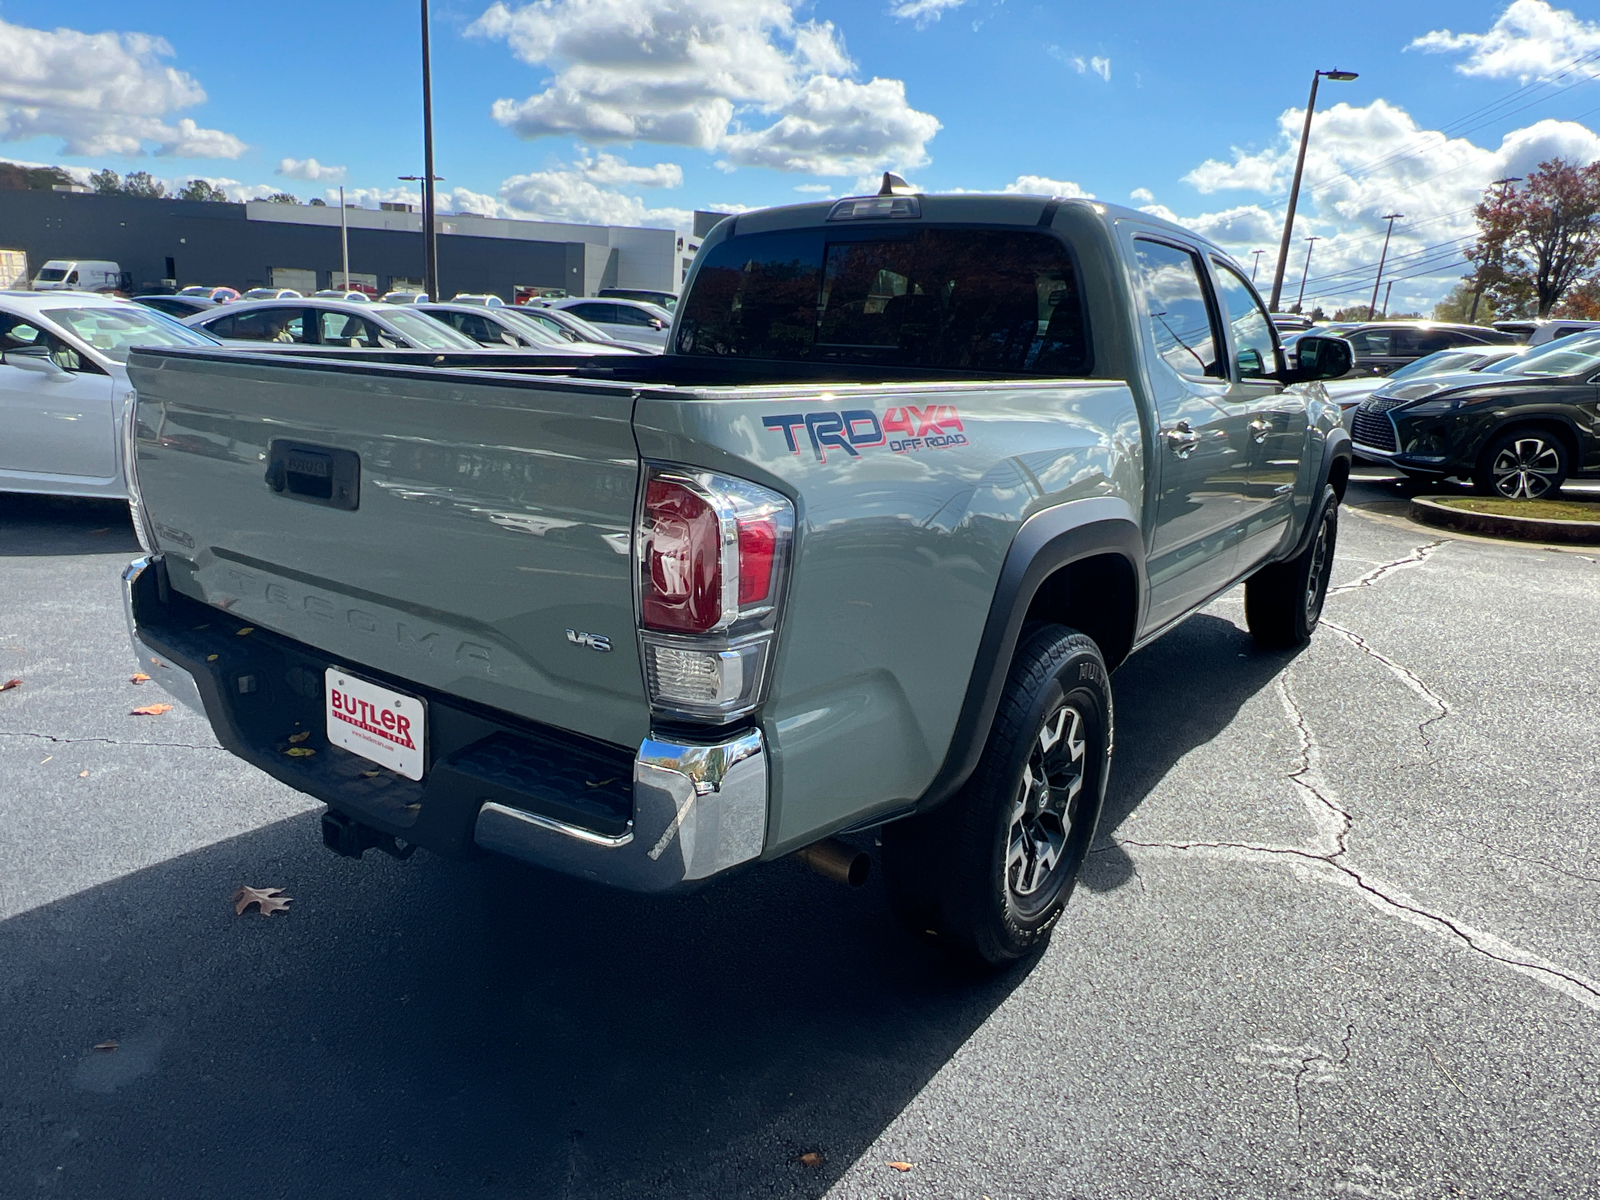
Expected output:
(257, 244)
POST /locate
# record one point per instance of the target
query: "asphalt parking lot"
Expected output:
(1338, 937)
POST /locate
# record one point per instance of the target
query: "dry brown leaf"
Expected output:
(899, 1166)
(211, 658)
(297, 738)
(83, 774)
(248, 629)
(151, 710)
(9, 684)
(299, 751)
(370, 774)
(105, 1047)
(269, 900)
(140, 678)
(812, 1158)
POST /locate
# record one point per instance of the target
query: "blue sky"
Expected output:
(641, 110)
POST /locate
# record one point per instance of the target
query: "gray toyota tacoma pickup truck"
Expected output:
(861, 550)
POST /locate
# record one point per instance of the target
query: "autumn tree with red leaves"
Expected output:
(1537, 240)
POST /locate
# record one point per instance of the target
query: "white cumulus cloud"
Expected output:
(609, 168)
(922, 11)
(1142, 196)
(310, 170)
(1530, 38)
(101, 93)
(744, 77)
(567, 195)
(1040, 185)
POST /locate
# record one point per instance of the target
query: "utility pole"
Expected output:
(1255, 266)
(1477, 275)
(1387, 292)
(344, 239)
(1382, 258)
(430, 241)
(1299, 305)
(1294, 190)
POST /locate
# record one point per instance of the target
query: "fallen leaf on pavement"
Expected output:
(248, 629)
(151, 710)
(299, 751)
(211, 658)
(140, 678)
(269, 900)
(297, 738)
(83, 774)
(811, 1158)
(105, 1047)
(370, 774)
(9, 684)
(899, 1166)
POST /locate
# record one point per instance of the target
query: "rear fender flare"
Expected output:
(1045, 543)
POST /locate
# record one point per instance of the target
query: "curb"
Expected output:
(1523, 529)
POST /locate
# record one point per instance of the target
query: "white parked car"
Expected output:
(352, 295)
(506, 328)
(405, 297)
(64, 385)
(314, 321)
(625, 320)
(572, 328)
(271, 293)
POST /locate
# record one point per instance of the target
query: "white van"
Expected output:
(77, 275)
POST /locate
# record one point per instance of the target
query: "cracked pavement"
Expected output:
(1337, 937)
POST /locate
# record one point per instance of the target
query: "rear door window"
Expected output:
(626, 314)
(606, 314)
(1172, 288)
(993, 300)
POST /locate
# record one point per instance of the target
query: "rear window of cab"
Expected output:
(993, 300)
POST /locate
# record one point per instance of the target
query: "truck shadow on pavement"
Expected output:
(44, 525)
(438, 1029)
(1177, 693)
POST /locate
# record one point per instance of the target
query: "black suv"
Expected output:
(1381, 346)
(1517, 429)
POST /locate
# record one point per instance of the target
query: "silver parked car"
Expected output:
(313, 321)
(570, 327)
(625, 320)
(64, 385)
(504, 327)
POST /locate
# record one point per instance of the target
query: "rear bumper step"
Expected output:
(658, 819)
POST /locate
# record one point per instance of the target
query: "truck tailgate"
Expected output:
(486, 517)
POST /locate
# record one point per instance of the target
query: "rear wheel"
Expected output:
(1522, 464)
(990, 872)
(1283, 601)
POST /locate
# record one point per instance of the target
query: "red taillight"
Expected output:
(683, 576)
(758, 543)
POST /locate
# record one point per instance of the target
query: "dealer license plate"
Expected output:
(390, 728)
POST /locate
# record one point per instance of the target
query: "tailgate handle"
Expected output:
(315, 474)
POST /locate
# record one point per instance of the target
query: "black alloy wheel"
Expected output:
(1523, 464)
(1283, 601)
(990, 871)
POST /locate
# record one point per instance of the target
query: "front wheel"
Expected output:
(990, 872)
(1283, 601)
(1522, 464)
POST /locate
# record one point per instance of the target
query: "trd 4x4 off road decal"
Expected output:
(902, 430)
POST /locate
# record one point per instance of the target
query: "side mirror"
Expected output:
(33, 358)
(1320, 358)
(657, 323)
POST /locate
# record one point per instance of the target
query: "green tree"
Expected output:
(106, 182)
(1537, 240)
(282, 198)
(1358, 313)
(199, 189)
(1457, 306)
(318, 202)
(139, 183)
(37, 179)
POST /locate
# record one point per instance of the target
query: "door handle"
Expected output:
(1182, 439)
(1259, 428)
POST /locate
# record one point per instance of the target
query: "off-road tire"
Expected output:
(1522, 464)
(985, 873)
(1283, 600)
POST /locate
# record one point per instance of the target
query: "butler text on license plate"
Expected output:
(374, 722)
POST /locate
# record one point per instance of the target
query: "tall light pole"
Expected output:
(1255, 266)
(344, 239)
(430, 241)
(1372, 308)
(1294, 189)
(1305, 271)
(1477, 275)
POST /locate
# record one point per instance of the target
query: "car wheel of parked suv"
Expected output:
(991, 870)
(1522, 464)
(1283, 601)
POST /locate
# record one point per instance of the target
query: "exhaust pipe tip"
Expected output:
(836, 860)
